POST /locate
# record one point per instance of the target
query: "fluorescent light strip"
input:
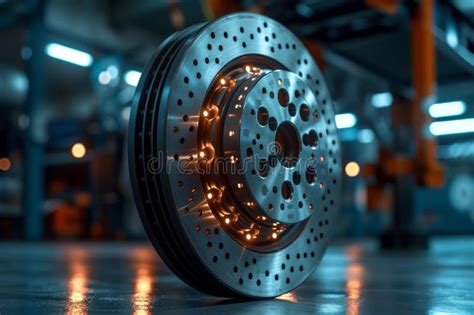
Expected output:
(452, 37)
(132, 77)
(68, 54)
(381, 100)
(441, 128)
(447, 109)
(347, 120)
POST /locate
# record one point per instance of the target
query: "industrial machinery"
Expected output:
(234, 157)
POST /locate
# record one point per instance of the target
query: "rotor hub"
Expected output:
(264, 169)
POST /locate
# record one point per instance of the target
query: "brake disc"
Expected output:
(234, 157)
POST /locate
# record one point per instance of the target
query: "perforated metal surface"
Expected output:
(234, 157)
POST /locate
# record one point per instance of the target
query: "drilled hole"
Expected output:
(263, 168)
(262, 116)
(312, 139)
(310, 175)
(296, 178)
(292, 109)
(283, 97)
(272, 123)
(304, 112)
(287, 190)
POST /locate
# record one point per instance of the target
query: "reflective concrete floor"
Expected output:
(129, 278)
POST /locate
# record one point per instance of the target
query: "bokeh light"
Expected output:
(5, 164)
(352, 169)
(78, 150)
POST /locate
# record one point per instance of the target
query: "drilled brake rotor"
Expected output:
(234, 157)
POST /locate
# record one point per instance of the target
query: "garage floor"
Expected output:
(130, 278)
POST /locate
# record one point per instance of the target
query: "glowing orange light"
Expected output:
(207, 152)
(240, 185)
(78, 150)
(223, 82)
(352, 169)
(142, 298)
(210, 112)
(5, 164)
(77, 284)
(248, 237)
(248, 69)
(214, 194)
(289, 297)
(78, 289)
(227, 220)
(274, 235)
(354, 284)
(231, 133)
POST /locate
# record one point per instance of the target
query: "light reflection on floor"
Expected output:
(354, 279)
(129, 278)
(78, 282)
(142, 298)
(289, 297)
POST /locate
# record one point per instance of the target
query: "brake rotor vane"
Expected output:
(234, 157)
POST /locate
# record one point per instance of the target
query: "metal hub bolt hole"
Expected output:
(287, 190)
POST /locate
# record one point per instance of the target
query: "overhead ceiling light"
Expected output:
(366, 136)
(380, 100)
(447, 109)
(68, 54)
(347, 120)
(449, 127)
(132, 77)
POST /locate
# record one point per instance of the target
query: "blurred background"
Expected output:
(68, 70)
(401, 73)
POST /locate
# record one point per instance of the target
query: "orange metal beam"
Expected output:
(316, 51)
(217, 8)
(429, 172)
(387, 6)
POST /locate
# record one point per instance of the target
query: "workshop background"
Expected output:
(401, 74)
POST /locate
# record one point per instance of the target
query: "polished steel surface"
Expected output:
(239, 92)
(355, 278)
